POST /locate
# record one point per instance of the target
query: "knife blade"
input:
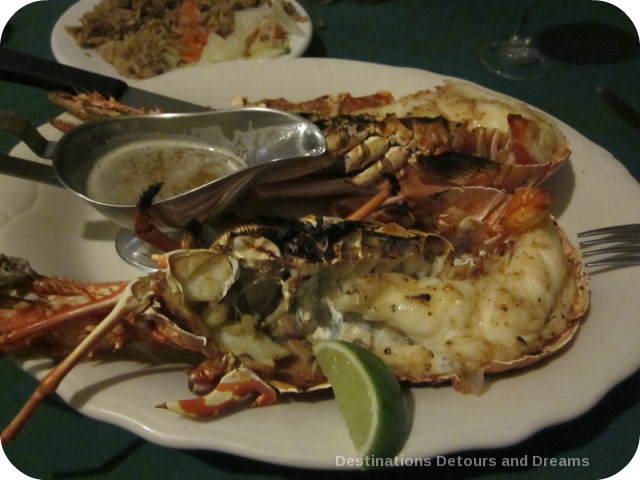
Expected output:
(21, 68)
(619, 106)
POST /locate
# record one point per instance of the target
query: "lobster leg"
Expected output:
(234, 388)
(52, 380)
(144, 227)
(374, 202)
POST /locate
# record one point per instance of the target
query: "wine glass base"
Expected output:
(514, 62)
(135, 251)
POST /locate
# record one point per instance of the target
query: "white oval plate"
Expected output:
(66, 50)
(63, 236)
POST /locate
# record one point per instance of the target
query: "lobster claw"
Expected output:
(235, 388)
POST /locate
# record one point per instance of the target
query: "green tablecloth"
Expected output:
(436, 35)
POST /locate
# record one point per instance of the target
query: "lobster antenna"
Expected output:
(49, 384)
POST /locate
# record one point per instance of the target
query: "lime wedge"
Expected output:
(369, 397)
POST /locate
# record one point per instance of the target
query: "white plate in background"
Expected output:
(68, 52)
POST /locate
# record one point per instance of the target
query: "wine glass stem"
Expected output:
(519, 48)
(523, 23)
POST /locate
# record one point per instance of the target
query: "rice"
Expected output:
(145, 38)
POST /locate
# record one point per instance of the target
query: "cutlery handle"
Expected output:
(14, 123)
(620, 107)
(22, 68)
(28, 170)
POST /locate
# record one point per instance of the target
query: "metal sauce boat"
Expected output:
(271, 144)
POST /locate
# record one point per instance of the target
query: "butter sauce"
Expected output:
(120, 176)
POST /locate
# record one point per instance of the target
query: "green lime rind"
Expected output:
(369, 397)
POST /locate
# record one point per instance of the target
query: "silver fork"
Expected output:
(621, 244)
